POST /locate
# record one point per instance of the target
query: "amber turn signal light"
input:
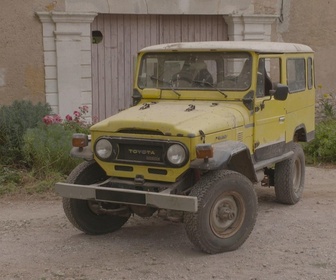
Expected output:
(80, 140)
(204, 151)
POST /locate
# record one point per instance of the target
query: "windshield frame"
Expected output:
(225, 68)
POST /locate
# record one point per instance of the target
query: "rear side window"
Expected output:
(310, 73)
(296, 74)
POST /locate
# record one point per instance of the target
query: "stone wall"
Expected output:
(21, 50)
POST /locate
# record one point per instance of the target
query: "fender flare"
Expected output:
(230, 155)
(85, 153)
(302, 135)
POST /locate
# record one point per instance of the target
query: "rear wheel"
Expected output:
(289, 176)
(227, 211)
(90, 216)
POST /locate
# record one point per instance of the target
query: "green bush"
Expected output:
(47, 148)
(35, 146)
(323, 147)
(9, 179)
(14, 121)
(328, 109)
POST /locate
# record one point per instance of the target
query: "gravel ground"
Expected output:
(288, 242)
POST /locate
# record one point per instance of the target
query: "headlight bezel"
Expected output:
(183, 149)
(111, 147)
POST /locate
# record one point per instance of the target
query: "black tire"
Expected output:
(230, 195)
(81, 213)
(289, 177)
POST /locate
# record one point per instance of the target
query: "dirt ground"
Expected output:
(288, 242)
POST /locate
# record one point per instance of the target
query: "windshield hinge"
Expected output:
(202, 136)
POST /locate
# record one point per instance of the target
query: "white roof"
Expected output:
(259, 47)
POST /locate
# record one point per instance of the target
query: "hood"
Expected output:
(177, 117)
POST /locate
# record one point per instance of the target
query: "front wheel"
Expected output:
(88, 216)
(289, 176)
(227, 212)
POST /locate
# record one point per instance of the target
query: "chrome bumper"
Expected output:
(162, 200)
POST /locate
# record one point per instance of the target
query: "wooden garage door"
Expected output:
(123, 35)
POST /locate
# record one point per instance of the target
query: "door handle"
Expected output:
(282, 119)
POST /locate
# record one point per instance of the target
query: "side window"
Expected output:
(234, 71)
(149, 68)
(310, 73)
(268, 75)
(296, 74)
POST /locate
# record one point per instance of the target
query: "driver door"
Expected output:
(270, 114)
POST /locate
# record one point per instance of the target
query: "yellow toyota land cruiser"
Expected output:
(209, 121)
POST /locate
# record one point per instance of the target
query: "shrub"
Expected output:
(9, 179)
(323, 147)
(46, 149)
(30, 135)
(328, 109)
(14, 121)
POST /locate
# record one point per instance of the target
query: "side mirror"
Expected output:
(280, 92)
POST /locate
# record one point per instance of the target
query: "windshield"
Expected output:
(196, 70)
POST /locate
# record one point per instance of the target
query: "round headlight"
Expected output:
(103, 148)
(176, 154)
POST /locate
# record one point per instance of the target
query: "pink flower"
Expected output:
(51, 119)
(85, 109)
(57, 119)
(47, 119)
(76, 117)
(77, 114)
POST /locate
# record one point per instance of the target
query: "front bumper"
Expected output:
(161, 200)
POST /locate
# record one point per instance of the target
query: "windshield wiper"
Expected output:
(173, 89)
(168, 83)
(211, 85)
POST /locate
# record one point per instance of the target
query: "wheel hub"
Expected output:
(226, 215)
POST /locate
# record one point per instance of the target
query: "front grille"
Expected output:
(143, 153)
(135, 151)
